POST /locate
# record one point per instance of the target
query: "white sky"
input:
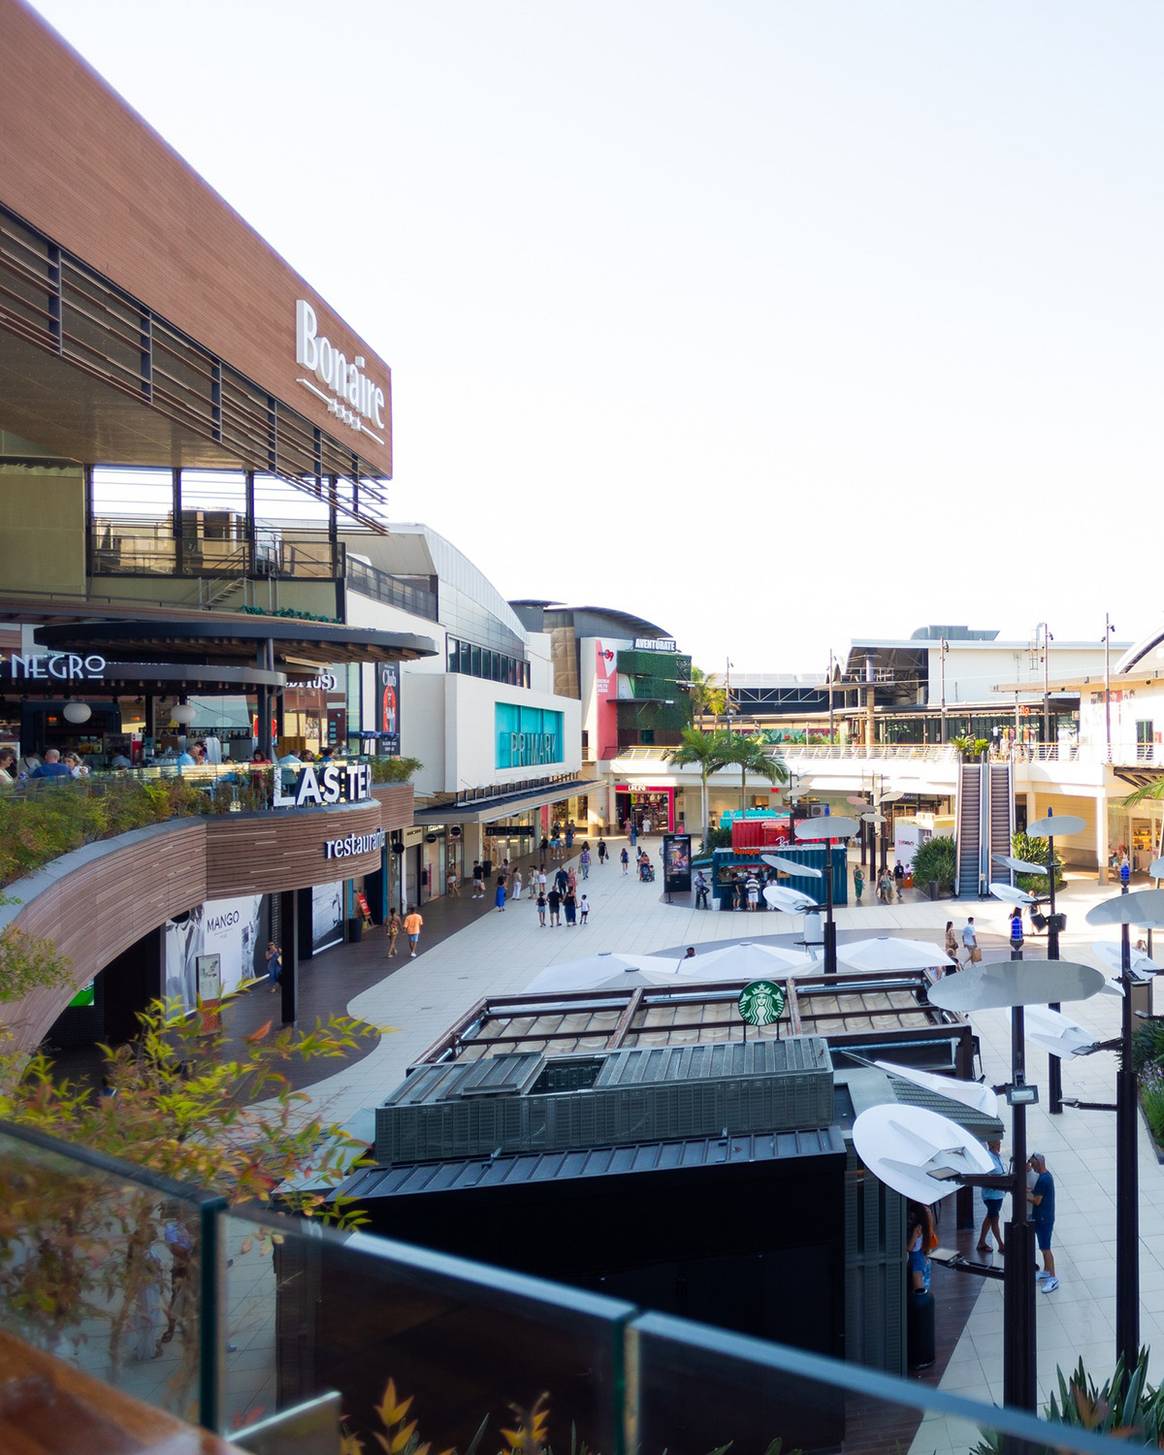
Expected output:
(691, 306)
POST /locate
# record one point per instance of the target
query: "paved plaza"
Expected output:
(500, 953)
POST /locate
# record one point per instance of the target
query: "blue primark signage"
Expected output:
(527, 737)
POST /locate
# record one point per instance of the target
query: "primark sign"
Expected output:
(304, 785)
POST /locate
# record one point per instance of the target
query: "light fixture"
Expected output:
(183, 713)
(77, 712)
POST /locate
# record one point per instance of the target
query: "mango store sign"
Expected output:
(332, 783)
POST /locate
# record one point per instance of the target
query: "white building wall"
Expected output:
(975, 669)
(470, 745)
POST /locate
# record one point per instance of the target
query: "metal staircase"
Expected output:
(970, 806)
(1001, 822)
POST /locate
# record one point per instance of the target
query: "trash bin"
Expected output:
(920, 1352)
(355, 929)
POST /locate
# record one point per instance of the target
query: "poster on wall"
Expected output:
(388, 707)
(327, 915)
(227, 928)
(676, 863)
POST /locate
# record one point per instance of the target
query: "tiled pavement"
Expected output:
(500, 953)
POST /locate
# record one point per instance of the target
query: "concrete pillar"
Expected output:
(869, 695)
(1102, 848)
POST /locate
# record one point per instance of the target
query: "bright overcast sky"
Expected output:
(694, 307)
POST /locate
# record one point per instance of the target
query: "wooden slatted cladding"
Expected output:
(133, 884)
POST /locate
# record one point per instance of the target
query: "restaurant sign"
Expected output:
(302, 784)
(354, 844)
(55, 666)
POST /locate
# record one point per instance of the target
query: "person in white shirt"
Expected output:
(969, 940)
(752, 886)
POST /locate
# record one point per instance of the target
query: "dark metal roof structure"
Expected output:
(529, 1167)
(234, 640)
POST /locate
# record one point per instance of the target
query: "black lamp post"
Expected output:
(828, 828)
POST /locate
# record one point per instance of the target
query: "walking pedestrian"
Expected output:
(541, 878)
(584, 861)
(752, 889)
(571, 830)
(1042, 1199)
(646, 826)
(701, 890)
(541, 904)
(858, 882)
(951, 944)
(634, 834)
(393, 932)
(970, 943)
(561, 881)
(601, 852)
(274, 965)
(499, 894)
(571, 879)
(478, 879)
(544, 846)
(899, 879)
(413, 924)
(570, 905)
(554, 900)
(516, 885)
(556, 842)
(624, 860)
(452, 884)
(584, 908)
(992, 1201)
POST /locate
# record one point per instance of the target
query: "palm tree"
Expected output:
(707, 697)
(709, 752)
(753, 755)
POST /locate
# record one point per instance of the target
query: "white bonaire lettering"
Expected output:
(356, 394)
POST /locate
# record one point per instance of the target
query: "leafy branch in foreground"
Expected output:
(89, 1257)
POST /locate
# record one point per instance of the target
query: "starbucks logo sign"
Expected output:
(761, 1003)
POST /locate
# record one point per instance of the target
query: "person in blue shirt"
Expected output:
(52, 767)
(992, 1202)
(1041, 1196)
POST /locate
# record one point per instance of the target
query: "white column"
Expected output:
(1102, 849)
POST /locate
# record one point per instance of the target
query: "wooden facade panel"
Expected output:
(108, 903)
(84, 168)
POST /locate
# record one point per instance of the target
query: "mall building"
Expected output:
(191, 441)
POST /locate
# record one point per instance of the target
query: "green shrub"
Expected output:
(394, 770)
(1127, 1408)
(936, 859)
(1148, 1046)
(1034, 851)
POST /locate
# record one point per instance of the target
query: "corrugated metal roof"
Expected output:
(526, 1167)
(655, 1065)
(979, 1124)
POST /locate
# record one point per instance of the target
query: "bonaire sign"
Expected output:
(352, 396)
(330, 783)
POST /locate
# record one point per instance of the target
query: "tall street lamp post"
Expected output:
(1047, 828)
(828, 828)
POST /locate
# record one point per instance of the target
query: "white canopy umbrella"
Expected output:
(595, 970)
(887, 952)
(1142, 965)
(747, 961)
(788, 901)
(1056, 1033)
(970, 1093)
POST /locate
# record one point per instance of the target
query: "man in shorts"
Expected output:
(1041, 1196)
(413, 924)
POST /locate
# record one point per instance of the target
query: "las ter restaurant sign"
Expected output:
(329, 783)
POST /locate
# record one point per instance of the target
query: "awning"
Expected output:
(486, 810)
(236, 640)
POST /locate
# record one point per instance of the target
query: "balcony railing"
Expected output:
(380, 585)
(125, 545)
(239, 1316)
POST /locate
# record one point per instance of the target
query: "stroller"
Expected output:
(647, 872)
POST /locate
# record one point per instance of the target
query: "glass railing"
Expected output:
(242, 1318)
(369, 580)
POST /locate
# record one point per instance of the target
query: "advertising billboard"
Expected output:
(327, 915)
(226, 928)
(388, 707)
(676, 863)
